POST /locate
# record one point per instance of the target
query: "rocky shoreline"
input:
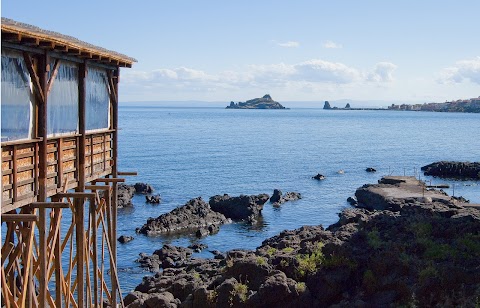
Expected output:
(401, 245)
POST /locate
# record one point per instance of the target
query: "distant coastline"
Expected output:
(471, 105)
(464, 106)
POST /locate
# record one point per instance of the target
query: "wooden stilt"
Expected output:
(94, 244)
(58, 265)
(80, 232)
(42, 255)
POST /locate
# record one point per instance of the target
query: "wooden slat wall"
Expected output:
(98, 155)
(19, 172)
(20, 166)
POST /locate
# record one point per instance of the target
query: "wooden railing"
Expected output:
(20, 166)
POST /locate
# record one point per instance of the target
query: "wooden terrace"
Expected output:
(59, 169)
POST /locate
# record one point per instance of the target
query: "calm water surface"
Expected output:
(189, 152)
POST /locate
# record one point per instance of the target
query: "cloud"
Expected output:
(289, 44)
(462, 70)
(330, 44)
(311, 74)
(324, 71)
(383, 72)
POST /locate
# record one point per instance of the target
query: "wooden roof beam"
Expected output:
(47, 44)
(74, 51)
(11, 37)
(61, 48)
(114, 61)
(85, 54)
(31, 41)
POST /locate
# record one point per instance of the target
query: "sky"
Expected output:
(222, 51)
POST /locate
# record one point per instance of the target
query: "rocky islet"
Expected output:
(265, 102)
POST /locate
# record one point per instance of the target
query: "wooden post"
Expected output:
(58, 267)
(14, 174)
(42, 197)
(79, 202)
(113, 239)
(93, 217)
(59, 162)
(80, 236)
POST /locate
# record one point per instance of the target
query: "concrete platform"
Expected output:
(405, 187)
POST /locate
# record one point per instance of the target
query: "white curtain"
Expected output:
(17, 107)
(62, 103)
(97, 100)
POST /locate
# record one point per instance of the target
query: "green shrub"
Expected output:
(241, 290)
(421, 229)
(287, 249)
(212, 296)
(300, 287)
(308, 264)
(436, 251)
(261, 261)
(470, 244)
(271, 251)
(373, 239)
(369, 281)
(337, 261)
(429, 272)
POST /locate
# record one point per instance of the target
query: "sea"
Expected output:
(186, 153)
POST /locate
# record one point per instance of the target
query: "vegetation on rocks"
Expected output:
(409, 252)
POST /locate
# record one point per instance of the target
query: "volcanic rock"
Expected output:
(352, 201)
(277, 194)
(124, 195)
(399, 248)
(242, 207)
(195, 214)
(143, 188)
(198, 247)
(153, 199)
(455, 170)
(125, 239)
(277, 198)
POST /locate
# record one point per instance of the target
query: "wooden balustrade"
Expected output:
(20, 165)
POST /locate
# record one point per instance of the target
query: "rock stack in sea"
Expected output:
(278, 198)
(396, 248)
(125, 193)
(194, 215)
(453, 169)
(243, 207)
